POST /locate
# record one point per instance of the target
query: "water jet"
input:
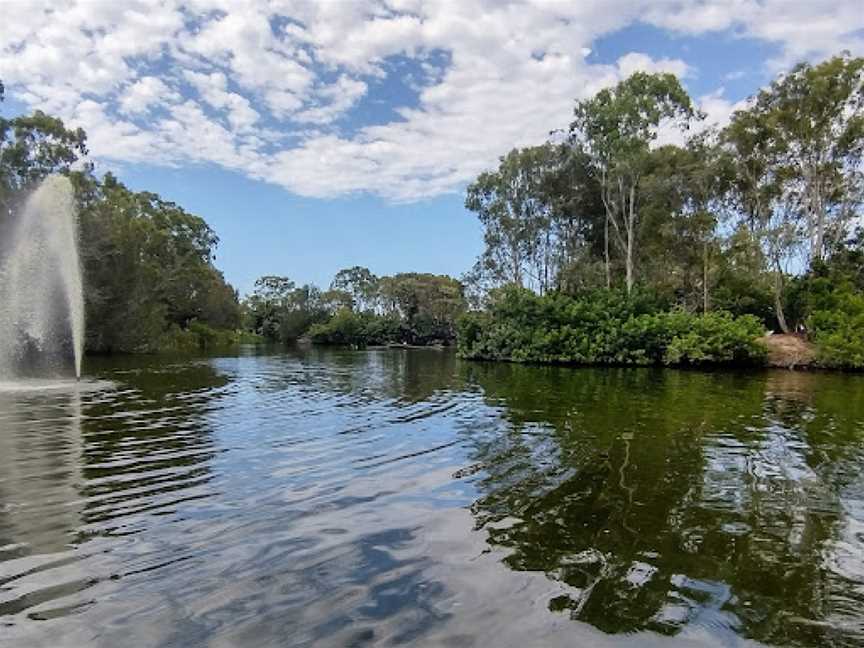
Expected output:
(41, 288)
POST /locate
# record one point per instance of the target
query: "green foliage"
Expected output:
(835, 320)
(32, 147)
(620, 122)
(359, 285)
(719, 223)
(839, 332)
(515, 204)
(716, 337)
(200, 337)
(360, 309)
(358, 330)
(615, 129)
(829, 302)
(280, 311)
(428, 305)
(604, 327)
(148, 269)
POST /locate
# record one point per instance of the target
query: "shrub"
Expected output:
(197, 337)
(837, 328)
(357, 329)
(717, 338)
(345, 327)
(604, 327)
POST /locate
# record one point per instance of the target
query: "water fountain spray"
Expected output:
(41, 291)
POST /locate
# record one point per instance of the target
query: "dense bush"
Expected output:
(357, 329)
(201, 337)
(836, 325)
(829, 301)
(604, 327)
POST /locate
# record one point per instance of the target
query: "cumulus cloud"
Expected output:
(638, 62)
(144, 93)
(336, 99)
(213, 89)
(270, 89)
(802, 29)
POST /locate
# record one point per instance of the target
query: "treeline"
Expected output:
(358, 309)
(149, 273)
(758, 220)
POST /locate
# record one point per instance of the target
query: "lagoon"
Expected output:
(327, 497)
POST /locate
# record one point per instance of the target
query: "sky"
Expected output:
(314, 136)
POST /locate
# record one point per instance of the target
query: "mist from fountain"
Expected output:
(41, 289)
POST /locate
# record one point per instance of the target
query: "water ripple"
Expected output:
(338, 498)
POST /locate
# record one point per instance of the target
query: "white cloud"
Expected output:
(802, 29)
(213, 89)
(144, 93)
(638, 62)
(717, 110)
(268, 88)
(336, 99)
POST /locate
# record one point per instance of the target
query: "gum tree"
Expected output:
(616, 128)
(814, 116)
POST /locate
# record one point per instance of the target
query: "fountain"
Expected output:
(41, 292)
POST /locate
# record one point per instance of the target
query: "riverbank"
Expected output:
(789, 352)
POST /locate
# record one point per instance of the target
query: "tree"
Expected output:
(815, 118)
(266, 303)
(685, 188)
(360, 285)
(148, 268)
(516, 214)
(577, 220)
(428, 304)
(616, 128)
(33, 147)
(758, 194)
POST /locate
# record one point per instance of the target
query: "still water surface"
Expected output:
(381, 498)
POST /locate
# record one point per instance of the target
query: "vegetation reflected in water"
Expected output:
(324, 497)
(666, 498)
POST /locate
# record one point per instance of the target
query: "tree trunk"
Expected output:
(629, 263)
(778, 300)
(631, 234)
(815, 216)
(517, 270)
(820, 231)
(705, 303)
(546, 263)
(606, 252)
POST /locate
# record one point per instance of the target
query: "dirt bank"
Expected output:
(789, 351)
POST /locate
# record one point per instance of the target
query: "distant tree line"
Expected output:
(358, 309)
(760, 218)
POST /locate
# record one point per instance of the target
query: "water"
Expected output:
(382, 498)
(41, 294)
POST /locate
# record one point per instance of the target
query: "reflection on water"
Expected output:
(337, 498)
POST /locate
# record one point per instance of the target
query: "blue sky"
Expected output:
(318, 135)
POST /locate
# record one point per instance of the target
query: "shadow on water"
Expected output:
(323, 497)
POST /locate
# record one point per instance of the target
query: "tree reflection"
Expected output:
(148, 448)
(404, 377)
(669, 499)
